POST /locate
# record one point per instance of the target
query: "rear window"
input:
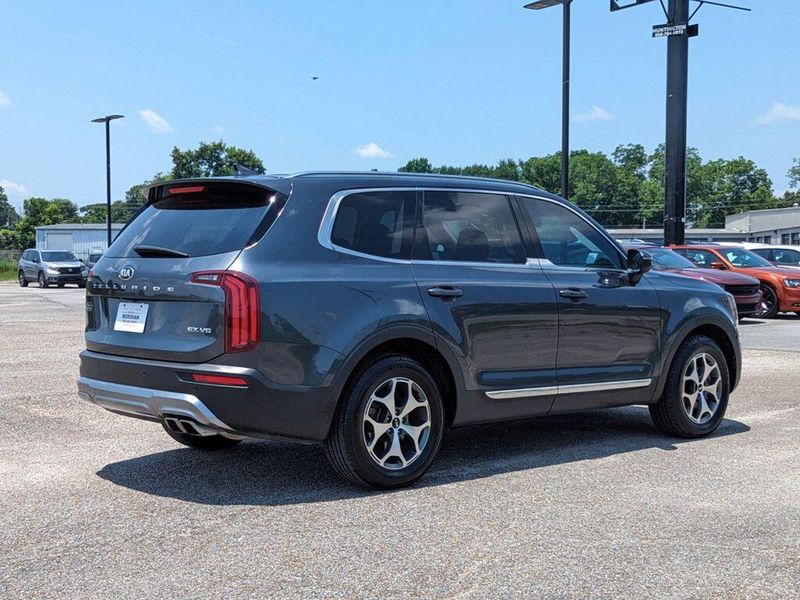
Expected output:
(199, 220)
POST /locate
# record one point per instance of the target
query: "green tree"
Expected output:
(543, 172)
(417, 165)
(794, 174)
(212, 159)
(733, 186)
(8, 214)
(40, 211)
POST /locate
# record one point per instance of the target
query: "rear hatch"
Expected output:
(162, 290)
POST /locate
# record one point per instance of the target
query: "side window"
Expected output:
(26, 255)
(762, 252)
(567, 240)
(375, 223)
(702, 258)
(468, 227)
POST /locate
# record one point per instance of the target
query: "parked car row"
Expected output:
(764, 280)
(745, 289)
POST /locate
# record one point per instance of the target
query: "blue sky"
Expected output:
(457, 81)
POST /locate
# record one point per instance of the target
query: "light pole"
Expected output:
(539, 5)
(107, 119)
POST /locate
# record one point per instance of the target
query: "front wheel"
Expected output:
(768, 307)
(21, 278)
(696, 392)
(388, 427)
(42, 281)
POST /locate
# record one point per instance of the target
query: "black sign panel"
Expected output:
(668, 30)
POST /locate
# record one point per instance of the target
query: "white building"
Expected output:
(78, 238)
(768, 226)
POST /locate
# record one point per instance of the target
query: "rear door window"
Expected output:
(199, 220)
(468, 227)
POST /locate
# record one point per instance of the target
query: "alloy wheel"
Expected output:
(701, 388)
(767, 304)
(397, 423)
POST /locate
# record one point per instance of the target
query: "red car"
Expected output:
(745, 289)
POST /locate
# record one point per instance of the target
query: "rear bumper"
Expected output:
(152, 405)
(159, 390)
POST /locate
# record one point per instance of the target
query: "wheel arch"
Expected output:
(714, 331)
(415, 342)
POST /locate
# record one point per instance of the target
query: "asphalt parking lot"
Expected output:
(589, 505)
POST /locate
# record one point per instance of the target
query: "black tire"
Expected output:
(670, 414)
(769, 305)
(21, 279)
(82, 285)
(61, 285)
(42, 281)
(202, 442)
(346, 445)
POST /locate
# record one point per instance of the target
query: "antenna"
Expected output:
(242, 171)
(677, 30)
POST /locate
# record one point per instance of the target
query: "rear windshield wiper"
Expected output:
(145, 251)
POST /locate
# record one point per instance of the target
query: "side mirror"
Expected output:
(719, 266)
(639, 263)
(36, 259)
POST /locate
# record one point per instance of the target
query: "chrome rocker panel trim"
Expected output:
(578, 388)
(152, 405)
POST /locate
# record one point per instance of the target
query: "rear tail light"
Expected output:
(242, 307)
(187, 189)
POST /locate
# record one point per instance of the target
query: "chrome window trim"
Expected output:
(329, 217)
(578, 388)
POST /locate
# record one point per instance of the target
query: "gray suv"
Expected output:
(51, 267)
(370, 311)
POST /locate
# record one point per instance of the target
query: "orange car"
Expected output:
(780, 285)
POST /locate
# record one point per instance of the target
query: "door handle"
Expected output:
(445, 291)
(573, 294)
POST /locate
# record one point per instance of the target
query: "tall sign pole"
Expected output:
(678, 30)
(677, 84)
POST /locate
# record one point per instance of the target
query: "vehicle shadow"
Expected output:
(264, 473)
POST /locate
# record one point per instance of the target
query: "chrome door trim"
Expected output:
(578, 388)
(523, 393)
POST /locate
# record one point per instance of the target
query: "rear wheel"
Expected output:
(388, 427)
(696, 392)
(21, 278)
(42, 280)
(768, 307)
(201, 442)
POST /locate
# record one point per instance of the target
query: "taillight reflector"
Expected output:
(242, 307)
(219, 379)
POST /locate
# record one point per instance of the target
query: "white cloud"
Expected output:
(16, 192)
(597, 113)
(155, 121)
(372, 150)
(5, 101)
(779, 112)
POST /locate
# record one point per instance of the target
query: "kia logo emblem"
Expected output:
(126, 272)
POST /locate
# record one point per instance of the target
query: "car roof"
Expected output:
(283, 182)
